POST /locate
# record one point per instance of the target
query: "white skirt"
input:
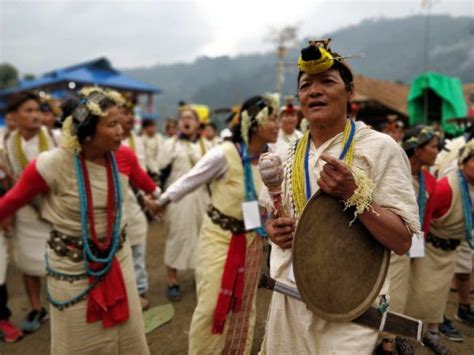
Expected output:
(184, 220)
(31, 235)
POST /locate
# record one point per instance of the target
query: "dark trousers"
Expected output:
(4, 311)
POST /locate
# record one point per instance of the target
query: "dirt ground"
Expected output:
(171, 338)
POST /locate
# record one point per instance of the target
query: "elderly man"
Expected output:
(388, 210)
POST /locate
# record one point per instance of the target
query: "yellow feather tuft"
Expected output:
(69, 138)
(363, 196)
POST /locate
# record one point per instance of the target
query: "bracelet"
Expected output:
(363, 195)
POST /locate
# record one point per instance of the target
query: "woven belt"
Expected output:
(444, 244)
(71, 247)
(225, 222)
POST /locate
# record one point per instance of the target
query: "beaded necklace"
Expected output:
(114, 216)
(421, 197)
(131, 142)
(300, 176)
(467, 208)
(42, 146)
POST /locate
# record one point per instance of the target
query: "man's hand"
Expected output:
(280, 231)
(336, 178)
(153, 207)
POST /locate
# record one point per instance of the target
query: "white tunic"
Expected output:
(153, 147)
(184, 218)
(31, 231)
(291, 327)
(137, 225)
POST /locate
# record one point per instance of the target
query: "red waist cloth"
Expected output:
(232, 285)
(108, 300)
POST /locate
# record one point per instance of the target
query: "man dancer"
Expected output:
(32, 233)
(137, 225)
(388, 209)
(288, 132)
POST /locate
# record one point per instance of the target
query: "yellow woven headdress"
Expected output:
(318, 57)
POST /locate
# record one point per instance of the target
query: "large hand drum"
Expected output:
(339, 269)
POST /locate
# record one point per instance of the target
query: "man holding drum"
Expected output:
(371, 177)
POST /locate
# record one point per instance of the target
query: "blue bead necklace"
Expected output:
(250, 193)
(467, 208)
(421, 198)
(345, 149)
(88, 256)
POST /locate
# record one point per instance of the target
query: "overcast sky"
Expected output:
(37, 36)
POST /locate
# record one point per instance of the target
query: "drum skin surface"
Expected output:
(339, 269)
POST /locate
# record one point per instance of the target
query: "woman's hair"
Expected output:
(190, 109)
(253, 106)
(89, 125)
(147, 122)
(171, 122)
(16, 100)
(414, 133)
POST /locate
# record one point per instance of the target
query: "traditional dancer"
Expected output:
(50, 113)
(82, 189)
(452, 222)
(171, 127)
(209, 133)
(8, 332)
(181, 153)
(32, 232)
(137, 225)
(462, 283)
(421, 148)
(374, 180)
(153, 144)
(288, 132)
(228, 253)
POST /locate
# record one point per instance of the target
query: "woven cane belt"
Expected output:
(71, 247)
(225, 222)
(444, 244)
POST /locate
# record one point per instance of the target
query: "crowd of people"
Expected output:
(79, 188)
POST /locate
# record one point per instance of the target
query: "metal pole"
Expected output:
(426, 60)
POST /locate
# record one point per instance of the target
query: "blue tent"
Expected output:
(95, 72)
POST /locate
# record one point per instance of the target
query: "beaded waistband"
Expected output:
(225, 222)
(72, 247)
(444, 244)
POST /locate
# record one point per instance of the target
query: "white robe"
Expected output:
(31, 231)
(291, 327)
(137, 225)
(153, 147)
(185, 217)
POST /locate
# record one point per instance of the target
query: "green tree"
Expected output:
(8, 75)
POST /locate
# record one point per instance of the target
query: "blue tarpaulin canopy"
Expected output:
(95, 72)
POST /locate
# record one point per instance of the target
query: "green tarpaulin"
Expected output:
(449, 95)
